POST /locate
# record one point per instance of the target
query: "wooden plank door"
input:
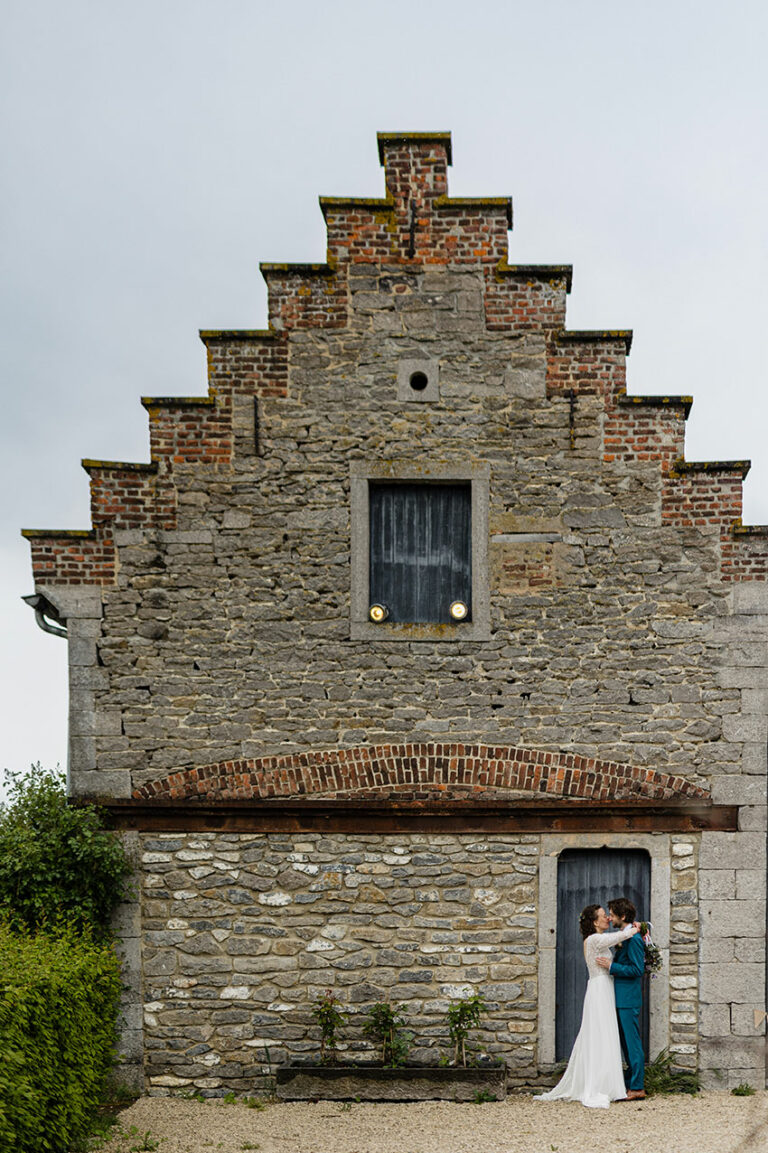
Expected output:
(591, 877)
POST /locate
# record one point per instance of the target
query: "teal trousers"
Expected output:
(632, 1047)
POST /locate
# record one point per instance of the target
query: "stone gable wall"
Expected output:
(209, 610)
(599, 632)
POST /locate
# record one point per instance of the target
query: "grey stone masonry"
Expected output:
(683, 953)
(220, 635)
(732, 866)
(242, 932)
(238, 643)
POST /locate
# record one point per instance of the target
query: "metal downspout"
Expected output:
(43, 610)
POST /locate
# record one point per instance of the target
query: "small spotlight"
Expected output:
(378, 613)
(458, 610)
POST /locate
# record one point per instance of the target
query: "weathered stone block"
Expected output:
(717, 949)
(715, 1020)
(717, 884)
(733, 918)
(751, 949)
(733, 1053)
(526, 383)
(739, 790)
(745, 727)
(751, 599)
(194, 966)
(101, 783)
(731, 982)
(743, 1020)
(750, 886)
(730, 850)
(753, 818)
(162, 963)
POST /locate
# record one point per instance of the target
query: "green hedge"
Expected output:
(59, 996)
(57, 862)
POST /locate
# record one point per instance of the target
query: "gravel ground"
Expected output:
(709, 1123)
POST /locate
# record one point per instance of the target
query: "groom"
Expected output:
(627, 968)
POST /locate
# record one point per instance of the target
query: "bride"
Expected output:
(594, 1075)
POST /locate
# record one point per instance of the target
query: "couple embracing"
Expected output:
(610, 1022)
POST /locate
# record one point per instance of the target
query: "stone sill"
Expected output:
(222, 335)
(684, 402)
(386, 139)
(537, 271)
(596, 336)
(687, 467)
(178, 401)
(118, 465)
(56, 533)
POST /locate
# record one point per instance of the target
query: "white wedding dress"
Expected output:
(594, 1075)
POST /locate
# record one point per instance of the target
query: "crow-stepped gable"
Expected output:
(416, 633)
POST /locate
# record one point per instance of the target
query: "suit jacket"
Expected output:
(627, 970)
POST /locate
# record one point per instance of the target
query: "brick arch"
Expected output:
(420, 771)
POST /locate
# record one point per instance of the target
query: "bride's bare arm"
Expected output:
(611, 939)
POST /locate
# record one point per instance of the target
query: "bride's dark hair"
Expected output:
(587, 920)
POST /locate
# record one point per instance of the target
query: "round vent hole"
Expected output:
(418, 381)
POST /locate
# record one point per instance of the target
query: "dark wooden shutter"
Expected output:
(421, 549)
(591, 877)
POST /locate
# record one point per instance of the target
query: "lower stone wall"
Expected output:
(237, 934)
(241, 932)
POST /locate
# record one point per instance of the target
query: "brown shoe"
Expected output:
(635, 1095)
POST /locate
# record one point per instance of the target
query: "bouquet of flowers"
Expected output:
(652, 952)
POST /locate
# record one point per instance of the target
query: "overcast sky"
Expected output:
(154, 151)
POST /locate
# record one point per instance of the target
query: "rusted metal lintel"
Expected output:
(420, 817)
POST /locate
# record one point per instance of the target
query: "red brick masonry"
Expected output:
(421, 771)
(415, 226)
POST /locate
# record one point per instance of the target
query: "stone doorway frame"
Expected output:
(658, 847)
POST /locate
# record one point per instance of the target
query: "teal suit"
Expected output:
(627, 970)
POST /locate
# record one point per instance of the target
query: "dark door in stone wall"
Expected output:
(592, 877)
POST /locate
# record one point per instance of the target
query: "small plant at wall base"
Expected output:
(385, 1026)
(393, 1076)
(462, 1016)
(483, 1095)
(331, 1020)
(660, 1077)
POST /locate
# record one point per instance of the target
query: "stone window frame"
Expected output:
(478, 628)
(659, 848)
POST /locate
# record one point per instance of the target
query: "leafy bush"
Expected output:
(56, 861)
(331, 1020)
(384, 1024)
(462, 1016)
(58, 1007)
